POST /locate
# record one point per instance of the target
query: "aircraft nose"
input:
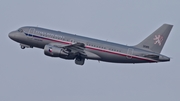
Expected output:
(11, 35)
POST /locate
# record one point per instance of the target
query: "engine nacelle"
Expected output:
(55, 51)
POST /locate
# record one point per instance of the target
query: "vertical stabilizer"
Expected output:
(157, 39)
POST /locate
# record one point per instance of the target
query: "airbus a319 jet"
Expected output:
(78, 48)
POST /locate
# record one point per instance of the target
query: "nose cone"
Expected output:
(12, 35)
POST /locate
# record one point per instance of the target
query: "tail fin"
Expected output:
(157, 39)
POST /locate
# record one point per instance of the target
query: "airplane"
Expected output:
(78, 48)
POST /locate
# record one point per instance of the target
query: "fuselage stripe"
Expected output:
(89, 47)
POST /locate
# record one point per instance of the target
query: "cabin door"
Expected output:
(129, 53)
(30, 34)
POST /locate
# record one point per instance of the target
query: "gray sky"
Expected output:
(29, 75)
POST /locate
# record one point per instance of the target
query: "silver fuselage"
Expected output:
(106, 51)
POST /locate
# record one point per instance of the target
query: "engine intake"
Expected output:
(54, 51)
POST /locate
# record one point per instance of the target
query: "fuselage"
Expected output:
(105, 51)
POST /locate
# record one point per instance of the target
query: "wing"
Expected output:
(77, 49)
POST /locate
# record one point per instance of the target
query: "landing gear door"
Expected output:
(130, 53)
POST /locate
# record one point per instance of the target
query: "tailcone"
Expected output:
(164, 58)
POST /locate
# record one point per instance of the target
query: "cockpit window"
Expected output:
(20, 30)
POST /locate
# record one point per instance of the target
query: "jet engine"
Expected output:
(54, 51)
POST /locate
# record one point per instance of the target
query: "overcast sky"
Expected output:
(29, 75)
